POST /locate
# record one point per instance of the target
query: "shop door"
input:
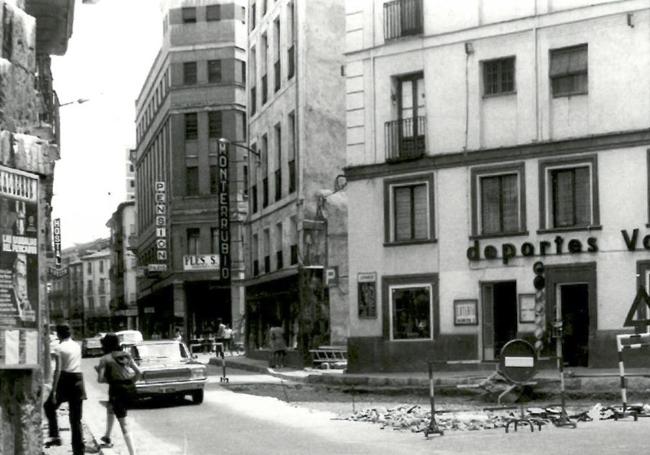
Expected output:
(499, 317)
(574, 311)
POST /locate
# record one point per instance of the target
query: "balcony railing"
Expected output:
(405, 138)
(276, 75)
(402, 18)
(278, 185)
(265, 87)
(291, 66)
(253, 100)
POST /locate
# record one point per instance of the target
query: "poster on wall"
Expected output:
(18, 248)
(367, 295)
(466, 312)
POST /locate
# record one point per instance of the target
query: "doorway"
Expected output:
(574, 312)
(499, 316)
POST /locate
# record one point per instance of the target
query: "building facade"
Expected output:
(482, 139)
(188, 199)
(97, 291)
(123, 304)
(296, 130)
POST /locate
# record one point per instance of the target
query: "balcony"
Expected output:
(402, 18)
(405, 139)
(278, 185)
(291, 67)
(253, 100)
(265, 87)
(276, 74)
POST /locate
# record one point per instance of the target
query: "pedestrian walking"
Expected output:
(67, 386)
(118, 369)
(278, 346)
(227, 339)
(221, 334)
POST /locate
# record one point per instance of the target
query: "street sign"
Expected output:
(642, 300)
(518, 362)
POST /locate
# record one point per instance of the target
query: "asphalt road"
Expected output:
(236, 423)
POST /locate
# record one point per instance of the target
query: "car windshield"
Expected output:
(169, 351)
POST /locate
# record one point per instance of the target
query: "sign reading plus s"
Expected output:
(224, 211)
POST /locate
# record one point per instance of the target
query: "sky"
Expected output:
(113, 45)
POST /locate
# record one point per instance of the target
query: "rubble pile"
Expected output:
(416, 418)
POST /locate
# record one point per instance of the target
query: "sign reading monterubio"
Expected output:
(198, 262)
(18, 248)
(224, 212)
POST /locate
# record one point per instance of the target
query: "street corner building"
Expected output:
(190, 115)
(30, 31)
(481, 139)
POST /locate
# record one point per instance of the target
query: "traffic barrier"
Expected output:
(629, 342)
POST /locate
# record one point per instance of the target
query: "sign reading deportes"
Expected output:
(18, 268)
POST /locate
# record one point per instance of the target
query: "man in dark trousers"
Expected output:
(67, 385)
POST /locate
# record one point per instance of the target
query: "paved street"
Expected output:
(233, 423)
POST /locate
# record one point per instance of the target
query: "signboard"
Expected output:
(160, 209)
(526, 308)
(367, 295)
(518, 362)
(18, 268)
(223, 195)
(641, 301)
(200, 262)
(152, 268)
(465, 312)
(56, 231)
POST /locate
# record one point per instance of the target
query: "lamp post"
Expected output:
(225, 141)
(77, 101)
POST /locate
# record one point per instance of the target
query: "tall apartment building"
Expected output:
(482, 138)
(189, 241)
(296, 129)
(130, 175)
(123, 305)
(96, 268)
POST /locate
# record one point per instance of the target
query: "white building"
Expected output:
(483, 136)
(97, 290)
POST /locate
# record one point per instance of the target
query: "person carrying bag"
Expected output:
(119, 370)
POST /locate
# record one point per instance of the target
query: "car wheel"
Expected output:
(197, 396)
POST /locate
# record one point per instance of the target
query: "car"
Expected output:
(168, 369)
(92, 345)
(129, 337)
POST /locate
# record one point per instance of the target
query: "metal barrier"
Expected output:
(629, 342)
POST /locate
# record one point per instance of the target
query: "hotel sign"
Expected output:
(160, 199)
(223, 195)
(200, 262)
(57, 241)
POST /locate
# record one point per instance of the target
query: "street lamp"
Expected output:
(77, 101)
(223, 140)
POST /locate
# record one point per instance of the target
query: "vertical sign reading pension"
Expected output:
(57, 241)
(18, 267)
(161, 222)
(224, 211)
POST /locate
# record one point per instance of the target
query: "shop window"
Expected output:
(409, 209)
(499, 76)
(411, 313)
(569, 193)
(568, 71)
(498, 200)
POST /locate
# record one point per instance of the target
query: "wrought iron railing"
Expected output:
(405, 138)
(402, 18)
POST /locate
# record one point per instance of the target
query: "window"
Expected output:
(499, 76)
(214, 71)
(568, 71)
(498, 200)
(192, 181)
(90, 267)
(214, 179)
(191, 126)
(411, 312)
(253, 15)
(193, 241)
(569, 193)
(213, 13)
(409, 209)
(267, 249)
(189, 15)
(279, 260)
(89, 287)
(402, 18)
(215, 125)
(214, 240)
(101, 266)
(189, 73)
(254, 199)
(7, 32)
(263, 7)
(102, 285)
(405, 137)
(255, 252)
(240, 71)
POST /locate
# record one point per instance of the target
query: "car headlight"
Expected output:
(198, 373)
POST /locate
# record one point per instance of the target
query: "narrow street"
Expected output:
(238, 423)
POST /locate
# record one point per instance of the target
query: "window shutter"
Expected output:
(510, 203)
(402, 196)
(582, 196)
(563, 198)
(420, 212)
(490, 213)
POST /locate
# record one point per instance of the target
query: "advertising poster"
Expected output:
(18, 248)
